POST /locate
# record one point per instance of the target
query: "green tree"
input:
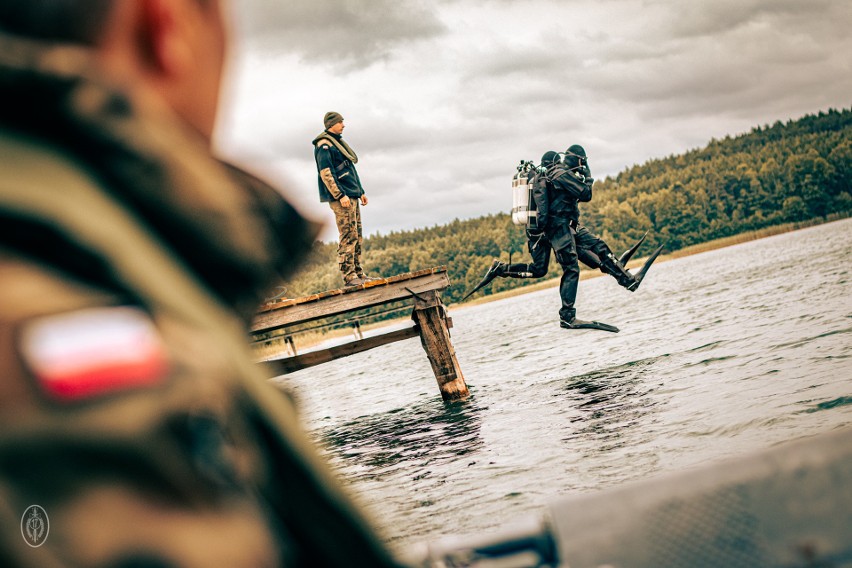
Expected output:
(794, 209)
(810, 177)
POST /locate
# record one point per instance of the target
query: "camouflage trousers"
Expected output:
(349, 248)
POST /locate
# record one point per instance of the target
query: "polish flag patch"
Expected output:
(93, 352)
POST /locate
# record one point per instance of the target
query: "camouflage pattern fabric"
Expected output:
(349, 227)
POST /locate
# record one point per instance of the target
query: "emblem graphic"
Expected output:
(35, 526)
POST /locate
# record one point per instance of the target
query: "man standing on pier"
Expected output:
(340, 187)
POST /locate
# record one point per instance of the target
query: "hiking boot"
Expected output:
(366, 278)
(352, 282)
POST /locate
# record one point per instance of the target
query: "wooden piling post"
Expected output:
(430, 315)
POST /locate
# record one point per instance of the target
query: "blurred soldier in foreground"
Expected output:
(135, 430)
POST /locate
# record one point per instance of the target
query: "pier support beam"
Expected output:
(415, 289)
(430, 315)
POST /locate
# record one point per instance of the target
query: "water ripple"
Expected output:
(828, 405)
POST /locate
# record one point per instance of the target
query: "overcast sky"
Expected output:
(443, 98)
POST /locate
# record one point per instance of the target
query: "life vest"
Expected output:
(523, 205)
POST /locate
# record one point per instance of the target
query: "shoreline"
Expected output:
(307, 342)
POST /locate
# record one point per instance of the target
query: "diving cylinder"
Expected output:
(523, 206)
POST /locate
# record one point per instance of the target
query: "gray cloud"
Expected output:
(722, 16)
(740, 58)
(346, 34)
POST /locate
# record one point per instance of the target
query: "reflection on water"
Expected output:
(418, 437)
(720, 354)
(612, 401)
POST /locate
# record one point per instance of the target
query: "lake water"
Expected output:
(720, 354)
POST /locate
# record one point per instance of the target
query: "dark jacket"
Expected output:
(557, 192)
(117, 227)
(336, 173)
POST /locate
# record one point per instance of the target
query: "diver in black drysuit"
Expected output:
(557, 192)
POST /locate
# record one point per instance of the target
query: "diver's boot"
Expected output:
(640, 275)
(497, 269)
(575, 323)
(628, 254)
(612, 266)
(517, 271)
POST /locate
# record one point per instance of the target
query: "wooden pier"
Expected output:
(417, 290)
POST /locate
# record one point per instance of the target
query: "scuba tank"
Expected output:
(523, 205)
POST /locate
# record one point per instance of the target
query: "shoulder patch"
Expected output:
(93, 352)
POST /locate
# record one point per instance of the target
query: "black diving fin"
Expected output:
(493, 272)
(628, 254)
(639, 276)
(583, 324)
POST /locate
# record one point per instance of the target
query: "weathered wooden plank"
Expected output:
(349, 301)
(285, 302)
(292, 364)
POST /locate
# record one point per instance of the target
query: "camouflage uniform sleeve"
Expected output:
(326, 168)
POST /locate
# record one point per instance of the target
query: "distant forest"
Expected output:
(786, 172)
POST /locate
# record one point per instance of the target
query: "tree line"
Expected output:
(774, 174)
